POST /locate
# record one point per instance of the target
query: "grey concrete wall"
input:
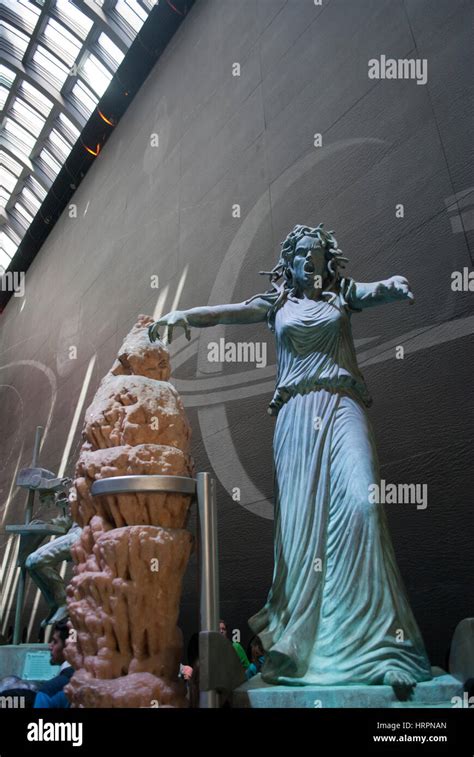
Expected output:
(167, 210)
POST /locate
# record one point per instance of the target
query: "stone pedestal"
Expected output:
(435, 693)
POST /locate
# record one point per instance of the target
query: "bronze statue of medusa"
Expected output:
(337, 611)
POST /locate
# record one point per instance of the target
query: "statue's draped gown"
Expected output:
(337, 611)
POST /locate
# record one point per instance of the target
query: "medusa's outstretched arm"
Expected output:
(202, 317)
(361, 295)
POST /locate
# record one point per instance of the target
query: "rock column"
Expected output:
(124, 596)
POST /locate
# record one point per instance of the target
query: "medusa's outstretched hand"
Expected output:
(170, 320)
(399, 288)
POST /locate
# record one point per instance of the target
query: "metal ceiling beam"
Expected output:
(40, 24)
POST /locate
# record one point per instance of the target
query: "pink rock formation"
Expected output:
(136, 358)
(169, 510)
(130, 560)
(137, 689)
(136, 410)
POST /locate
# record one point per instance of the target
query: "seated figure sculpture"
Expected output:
(43, 565)
(337, 611)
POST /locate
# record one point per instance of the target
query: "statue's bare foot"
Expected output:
(402, 683)
(46, 621)
(60, 614)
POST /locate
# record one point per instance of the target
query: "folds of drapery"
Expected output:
(337, 611)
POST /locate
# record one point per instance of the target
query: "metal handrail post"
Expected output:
(209, 602)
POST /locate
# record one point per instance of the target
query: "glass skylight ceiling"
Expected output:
(57, 58)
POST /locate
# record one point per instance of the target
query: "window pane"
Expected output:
(7, 244)
(62, 42)
(19, 134)
(4, 196)
(85, 96)
(70, 130)
(24, 213)
(27, 116)
(50, 161)
(96, 75)
(74, 18)
(30, 199)
(60, 143)
(37, 188)
(50, 66)
(34, 97)
(4, 258)
(28, 11)
(3, 96)
(14, 38)
(111, 49)
(7, 76)
(8, 162)
(7, 180)
(133, 14)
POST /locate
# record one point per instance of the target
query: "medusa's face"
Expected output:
(309, 266)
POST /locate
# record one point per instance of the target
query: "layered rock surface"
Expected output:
(124, 596)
